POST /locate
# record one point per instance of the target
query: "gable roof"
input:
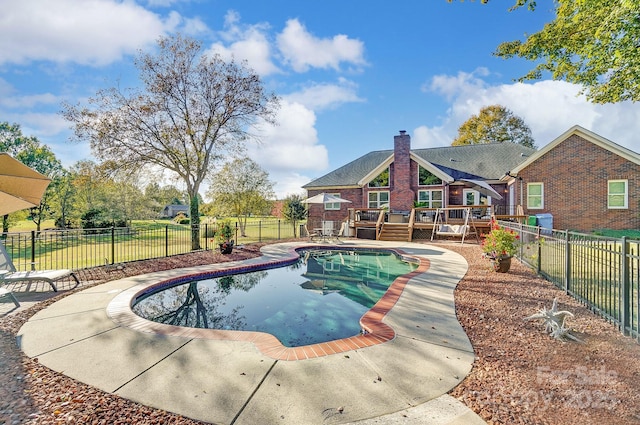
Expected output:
(587, 135)
(483, 161)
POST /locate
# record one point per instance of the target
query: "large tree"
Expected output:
(594, 43)
(190, 112)
(494, 124)
(241, 188)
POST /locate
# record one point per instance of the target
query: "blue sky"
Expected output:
(351, 74)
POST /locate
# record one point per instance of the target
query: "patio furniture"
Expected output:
(4, 292)
(11, 274)
(311, 235)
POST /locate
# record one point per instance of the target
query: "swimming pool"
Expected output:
(317, 298)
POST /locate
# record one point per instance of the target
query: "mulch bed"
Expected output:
(521, 375)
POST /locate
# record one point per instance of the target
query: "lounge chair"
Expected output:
(4, 292)
(9, 273)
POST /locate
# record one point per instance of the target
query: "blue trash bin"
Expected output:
(545, 221)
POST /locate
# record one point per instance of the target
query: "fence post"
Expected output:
(567, 260)
(539, 265)
(33, 250)
(278, 229)
(206, 236)
(259, 230)
(625, 293)
(113, 244)
(166, 240)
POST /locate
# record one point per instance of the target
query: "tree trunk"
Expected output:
(194, 211)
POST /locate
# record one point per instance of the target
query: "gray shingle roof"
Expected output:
(485, 162)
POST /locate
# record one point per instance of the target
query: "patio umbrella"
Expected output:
(482, 187)
(20, 186)
(324, 198)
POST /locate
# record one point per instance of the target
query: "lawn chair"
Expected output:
(340, 232)
(311, 235)
(9, 273)
(4, 292)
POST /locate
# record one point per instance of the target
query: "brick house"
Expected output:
(584, 181)
(395, 180)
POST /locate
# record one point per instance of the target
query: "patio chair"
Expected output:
(9, 273)
(311, 235)
(340, 232)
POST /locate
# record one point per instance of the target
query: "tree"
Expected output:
(190, 112)
(294, 211)
(241, 189)
(592, 43)
(33, 154)
(494, 124)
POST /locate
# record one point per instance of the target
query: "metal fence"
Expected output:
(603, 273)
(84, 248)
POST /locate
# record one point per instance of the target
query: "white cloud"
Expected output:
(90, 32)
(302, 50)
(245, 42)
(319, 96)
(548, 107)
(290, 148)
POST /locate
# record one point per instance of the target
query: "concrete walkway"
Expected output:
(404, 380)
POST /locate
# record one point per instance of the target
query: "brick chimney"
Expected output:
(401, 197)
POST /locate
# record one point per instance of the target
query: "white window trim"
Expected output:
(333, 206)
(529, 207)
(626, 194)
(378, 191)
(431, 200)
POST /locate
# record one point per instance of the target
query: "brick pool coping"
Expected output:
(377, 332)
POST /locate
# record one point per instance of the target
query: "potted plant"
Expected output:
(500, 245)
(224, 234)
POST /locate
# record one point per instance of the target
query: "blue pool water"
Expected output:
(321, 297)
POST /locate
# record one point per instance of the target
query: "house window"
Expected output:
(378, 199)
(382, 180)
(617, 194)
(430, 198)
(333, 205)
(426, 178)
(535, 196)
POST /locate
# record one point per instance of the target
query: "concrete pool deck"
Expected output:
(404, 380)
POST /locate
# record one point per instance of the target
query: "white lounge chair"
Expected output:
(4, 292)
(9, 273)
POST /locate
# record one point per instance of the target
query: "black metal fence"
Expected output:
(84, 248)
(603, 273)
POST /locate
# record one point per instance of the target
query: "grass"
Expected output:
(145, 239)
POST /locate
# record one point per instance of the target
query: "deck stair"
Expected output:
(395, 232)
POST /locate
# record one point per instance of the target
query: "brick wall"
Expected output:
(317, 210)
(575, 175)
(401, 196)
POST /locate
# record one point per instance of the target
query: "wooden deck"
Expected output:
(377, 223)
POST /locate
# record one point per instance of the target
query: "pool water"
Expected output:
(321, 297)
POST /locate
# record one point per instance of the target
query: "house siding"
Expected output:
(575, 175)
